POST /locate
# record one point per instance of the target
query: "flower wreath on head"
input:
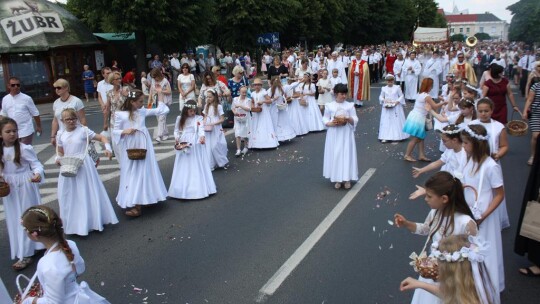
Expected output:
(469, 101)
(190, 106)
(457, 129)
(476, 251)
(466, 128)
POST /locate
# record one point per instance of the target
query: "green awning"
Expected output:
(39, 25)
(116, 36)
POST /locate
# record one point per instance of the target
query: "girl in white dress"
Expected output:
(22, 171)
(261, 131)
(192, 177)
(312, 112)
(140, 180)
(58, 269)
(83, 200)
(297, 113)
(449, 215)
(498, 144)
(216, 145)
(340, 158)
(325, 89)
(462, 272)
(454, 157)
(392, 115)
(241, 106)
(483, 174)
(278, 95)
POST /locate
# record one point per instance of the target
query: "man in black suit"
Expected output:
(486, 60)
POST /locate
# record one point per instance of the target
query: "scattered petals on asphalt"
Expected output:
(102, 283)
(391, 223)
(373, 228)
(391, 246)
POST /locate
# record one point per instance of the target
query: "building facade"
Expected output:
(471, 24)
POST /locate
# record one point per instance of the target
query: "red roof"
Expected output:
(440, 11)
(462, 18)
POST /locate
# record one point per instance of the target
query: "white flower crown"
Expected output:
(451, 132)
(132, 94)
(466, 128)
(475, 252)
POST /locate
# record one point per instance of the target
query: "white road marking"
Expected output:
(296, 258)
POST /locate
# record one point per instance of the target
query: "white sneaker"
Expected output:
(165, 138)
(158, 139)
(245, 150)
(238, 152)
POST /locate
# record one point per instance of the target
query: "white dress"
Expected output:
(140, 180)
(242, 118)
(192, 177)
(494, 129)
(453, 161)
(216, 144)
(314, 117)
(340, 158)
(59, 106)
(324, 96)
(284, 130)
(59, 280)
(392, 118)
(83, 200)
(185, 82)
(23, 194)
(463, 224)
(490, 229)
(261, 131)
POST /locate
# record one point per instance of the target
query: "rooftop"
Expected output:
(486, 17)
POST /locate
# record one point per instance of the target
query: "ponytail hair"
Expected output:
(43, 221)
(16, 145)
(444, 183)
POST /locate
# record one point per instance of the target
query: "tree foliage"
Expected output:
(482, 36)
(458, 37)
(524, 26)
(235, 24)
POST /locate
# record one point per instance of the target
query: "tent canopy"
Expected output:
(430, 35)
(39, 25)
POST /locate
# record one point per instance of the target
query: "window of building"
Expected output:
(468, 30)
(32, 70)
(461, 30)
(452, 30)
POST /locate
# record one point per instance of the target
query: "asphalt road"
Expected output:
(274, 211)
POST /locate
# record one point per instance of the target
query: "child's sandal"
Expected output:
(22, 264)
(134, 212)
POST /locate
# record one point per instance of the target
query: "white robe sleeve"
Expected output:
(28, 153)
(162, 109)
(382, 96)
(424, 228)
(352, 114)
(327, 117)
(177, 133)
(200, 129)
(417, 68)
(401, 97)
(117, 131)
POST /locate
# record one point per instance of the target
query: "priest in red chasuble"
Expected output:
(463, 69)
(358, 80)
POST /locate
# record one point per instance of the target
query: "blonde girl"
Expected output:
(22, 171)
(325, 89)
(83, 200)
(241, 106)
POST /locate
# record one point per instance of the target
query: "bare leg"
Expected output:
(238, 143)
(421, 149)
(534, 139)
(410, 146)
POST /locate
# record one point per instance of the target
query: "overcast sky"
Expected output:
(496, 7)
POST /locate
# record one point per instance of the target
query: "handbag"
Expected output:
(530, 226)
(429, 123)
(33, 289)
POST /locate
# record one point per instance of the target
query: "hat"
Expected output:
(389, 76)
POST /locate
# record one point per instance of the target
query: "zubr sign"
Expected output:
(28, 25)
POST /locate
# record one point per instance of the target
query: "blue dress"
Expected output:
(88, 83)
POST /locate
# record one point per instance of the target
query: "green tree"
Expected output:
(458, 37)
(167, 22)
(482, 36)
(524, 26)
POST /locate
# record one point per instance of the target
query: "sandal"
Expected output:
(409, 159)
(22, 263)
(530, 161)
(424, 159)
(134, 212)
(528, 272)
(337, 185)
(347, 185)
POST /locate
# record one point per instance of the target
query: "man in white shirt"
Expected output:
(21, 108)
(210, 61)
(175, 66)
(333, 63)
(433, 70)
(409, 72)
(102, 88)
(184, 59)
(525, 65)
(398, 64)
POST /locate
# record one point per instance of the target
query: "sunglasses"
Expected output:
(15, 85)
(58, 88)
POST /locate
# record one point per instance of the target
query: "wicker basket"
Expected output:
(516, 127)
(281, 106)
(137, 153)
(427, 267)
(340, 120)
(4, 189)
(69, 165)
(303, 102)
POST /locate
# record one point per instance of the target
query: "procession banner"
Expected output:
(430, 35)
